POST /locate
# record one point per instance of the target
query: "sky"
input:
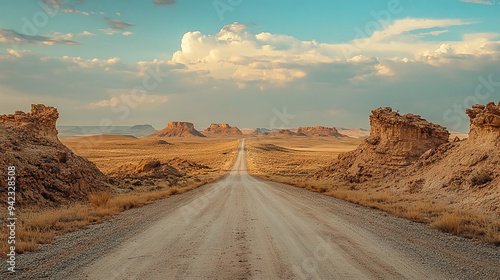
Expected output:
(249, 63)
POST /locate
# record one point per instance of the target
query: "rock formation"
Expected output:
(395, 141)
(484, 121)
(147, 168)
(466, 171)
(48, 173)
(178, 129)
(151, 168)
(222, 129)
(318, 131)
(286, 132)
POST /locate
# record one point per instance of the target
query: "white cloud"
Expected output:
(111, 31)
(235, 53)
(485, 2)
(85, 33)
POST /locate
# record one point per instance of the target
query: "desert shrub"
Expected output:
(99, 199)
(481, 178)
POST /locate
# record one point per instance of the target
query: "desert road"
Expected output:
(242, 227)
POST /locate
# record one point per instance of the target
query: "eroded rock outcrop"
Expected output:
(151, 168)
(178, 129)
(465, 172)
(318, 131)
(395, 141)
(484, 121)
(147, 168)
(48, 173)
(222, 129)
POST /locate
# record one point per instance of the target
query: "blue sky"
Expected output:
(246, 62)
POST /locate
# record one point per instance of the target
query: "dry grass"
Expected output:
(40, 226)
(99, 199)
(297, 167)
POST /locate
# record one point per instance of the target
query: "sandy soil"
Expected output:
(245, 228)
(111, 151)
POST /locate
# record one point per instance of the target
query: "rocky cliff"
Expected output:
(466, 172)
(395, 141)
(48, 173)
(178, 129)
(222, 129)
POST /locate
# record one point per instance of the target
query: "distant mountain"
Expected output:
(77, 131)
(139, 130)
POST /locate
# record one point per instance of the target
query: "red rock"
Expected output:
(222, 129)
(178, 129)
(318, 131)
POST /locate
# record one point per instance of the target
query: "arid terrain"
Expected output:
(242, 227)
(197, 158)
(407, 167)
(236, 223)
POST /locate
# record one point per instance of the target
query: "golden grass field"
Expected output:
(295, 160)
(111, 151)
(39, 226)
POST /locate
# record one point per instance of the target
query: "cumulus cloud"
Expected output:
(11, 37)
(237, 54)
(165, 2)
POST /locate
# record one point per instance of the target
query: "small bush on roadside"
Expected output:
(99, 199)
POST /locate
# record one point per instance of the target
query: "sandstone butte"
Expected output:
(178, 129)
(411, 155)
(48, 173)
(318, 131)
(222, 129)
(395, 141)
(484, 122)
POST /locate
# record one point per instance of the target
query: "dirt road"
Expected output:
(245, 228)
